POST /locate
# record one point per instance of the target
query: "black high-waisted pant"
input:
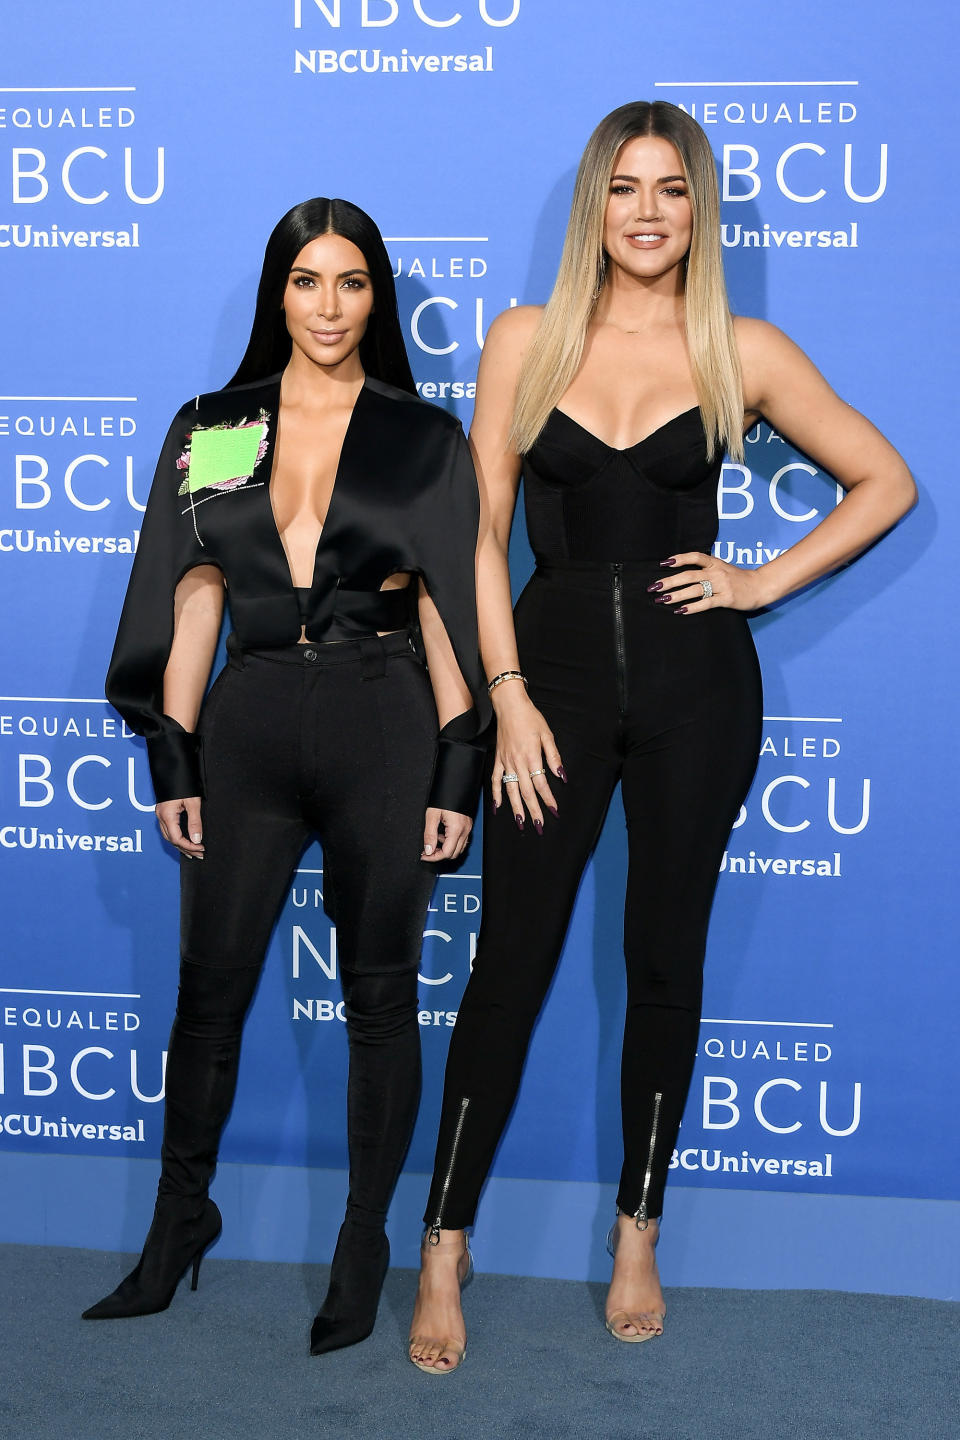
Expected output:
(670, 706)
(335, 742)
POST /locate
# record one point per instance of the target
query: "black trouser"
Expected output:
(670, 706)
(335, 742)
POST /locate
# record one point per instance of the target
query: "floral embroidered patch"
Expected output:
(223, 457)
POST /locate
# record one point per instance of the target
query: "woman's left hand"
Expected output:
(452, 843)
(703, 582)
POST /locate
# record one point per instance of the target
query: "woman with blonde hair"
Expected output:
(628, 657)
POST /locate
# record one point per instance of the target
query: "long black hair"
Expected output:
(382, 351)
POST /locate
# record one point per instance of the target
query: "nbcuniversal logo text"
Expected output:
(759, 166)
(56, 180)
(376, 15)
(73, 180)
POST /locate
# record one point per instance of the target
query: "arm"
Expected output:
(453, 698)
(169, 548)
(524, 738)
(782, 384)
(197, 615)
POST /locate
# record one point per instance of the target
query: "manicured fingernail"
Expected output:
(428, 849)
(662, 599)
(671, 561)
(538, 826)
(561, 774)
(681, 611)
(196, 838)
(496, 806)
(553, 810)
(657, 585)
(519, 820)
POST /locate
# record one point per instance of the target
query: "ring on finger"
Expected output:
(510, 779)
(707, 589)
(535, 773)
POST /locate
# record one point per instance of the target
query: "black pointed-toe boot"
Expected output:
(359, 1268)
(182, 1230)
(383, 1093)
(201, 1077)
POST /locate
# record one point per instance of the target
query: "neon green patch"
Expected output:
(220, 455)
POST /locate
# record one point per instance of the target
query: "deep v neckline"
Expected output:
(626, 449)
(324, 528)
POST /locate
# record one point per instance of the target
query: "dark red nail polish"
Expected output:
(681, 611)
(519, 820)
(657, 585)
(561, 774)
(496, 806)
(668, 562)
(538, 826)
(553, 810)
(662, 599)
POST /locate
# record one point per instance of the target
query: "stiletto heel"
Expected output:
(648, 1324)
(359, 1268)
(178, 1238)
(420, 1342)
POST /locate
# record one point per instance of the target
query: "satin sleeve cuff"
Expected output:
(458, 773)
(175, 763)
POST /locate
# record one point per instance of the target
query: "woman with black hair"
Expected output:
(338, 512)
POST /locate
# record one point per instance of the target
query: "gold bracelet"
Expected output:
(504, 675)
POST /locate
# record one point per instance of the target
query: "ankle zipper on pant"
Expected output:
(433, 1235)
(618, 637)
(640, 1216)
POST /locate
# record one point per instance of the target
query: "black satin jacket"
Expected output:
(405, 498)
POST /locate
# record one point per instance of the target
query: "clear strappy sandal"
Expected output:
(420, 1342)
(648, 1324)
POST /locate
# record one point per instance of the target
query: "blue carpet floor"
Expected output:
(230, 1362)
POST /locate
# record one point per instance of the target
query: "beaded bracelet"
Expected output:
(504, 675)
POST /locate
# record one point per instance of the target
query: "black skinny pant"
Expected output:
(671, 707)
(335, 742)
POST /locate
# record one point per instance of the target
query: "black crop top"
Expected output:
(586, 500)
(404, 498)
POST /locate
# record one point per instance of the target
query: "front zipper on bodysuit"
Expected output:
(433, 1236)
(639, 1215)
(619, 643)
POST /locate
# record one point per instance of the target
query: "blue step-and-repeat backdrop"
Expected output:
(145, 154)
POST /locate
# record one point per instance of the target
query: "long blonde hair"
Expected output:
(556, 350)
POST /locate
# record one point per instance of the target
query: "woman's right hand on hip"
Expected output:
(526, 749)
(172, 828)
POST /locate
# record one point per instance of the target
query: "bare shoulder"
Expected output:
(759, 341)
(501, 359)
(501, 362)
(771, 363)
(513, 329)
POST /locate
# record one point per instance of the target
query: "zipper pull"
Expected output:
(640, 1216)
(433, 1234)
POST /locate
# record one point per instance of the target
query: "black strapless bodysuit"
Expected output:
(666, 704)
(586, 500)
